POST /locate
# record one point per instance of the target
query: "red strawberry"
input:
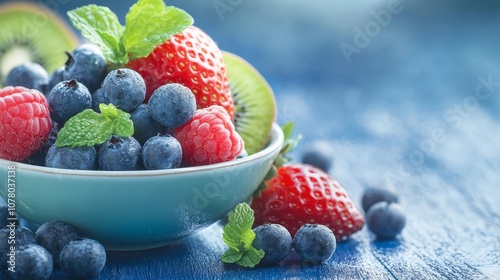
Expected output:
(190, 58)
(209, 137)
(25, 122)
(302, 194)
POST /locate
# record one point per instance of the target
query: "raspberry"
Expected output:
(25, 122)
(209, 137)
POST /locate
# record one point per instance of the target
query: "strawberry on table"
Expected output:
(298, 194)
(160, 43)
(302, 194)
(25, 122)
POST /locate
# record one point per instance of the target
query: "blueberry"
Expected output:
(319, 154)
(162, 152)
(29, 75)
(374, 195)
(67, 99)
(81, 158)
(144, 126)
(55, 78)
(172, 105)
(98, 98)
(87, 65)
(119, 153)
(275, 240)
(385, 219)
(33, 262)
(39, 157)
(314, 243)
(10, 234)
(125, 88)
(54, 235)
(83, 258)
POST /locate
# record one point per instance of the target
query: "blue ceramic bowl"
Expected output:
(135, 210)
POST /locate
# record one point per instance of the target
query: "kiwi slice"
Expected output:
(31, 32)
(254, 102)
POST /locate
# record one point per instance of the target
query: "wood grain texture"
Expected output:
(462, 244)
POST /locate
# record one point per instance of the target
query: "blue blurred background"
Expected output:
(406, 92)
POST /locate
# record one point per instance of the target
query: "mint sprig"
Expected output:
(148, 23)
(89, 128)
(101, 26)
(239, 236)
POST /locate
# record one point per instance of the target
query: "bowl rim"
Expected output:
(275, 142)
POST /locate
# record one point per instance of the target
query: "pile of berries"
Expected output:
(298, 193)
(171, 130)
(303, 208)
(34, 255)
(383, 215)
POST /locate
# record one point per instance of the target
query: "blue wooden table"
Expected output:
(414, 107)
(451, 234)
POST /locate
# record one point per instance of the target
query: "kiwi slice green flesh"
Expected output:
(31, 32)
(254, 102)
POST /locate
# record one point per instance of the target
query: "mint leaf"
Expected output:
(84, 129)
(109, 111)
(89, 128)
(147, 24)
(123, 125)
(231, 256)
(239, 227)
(239, 236)
(101, 26)
(251, 257)
(150, 23)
